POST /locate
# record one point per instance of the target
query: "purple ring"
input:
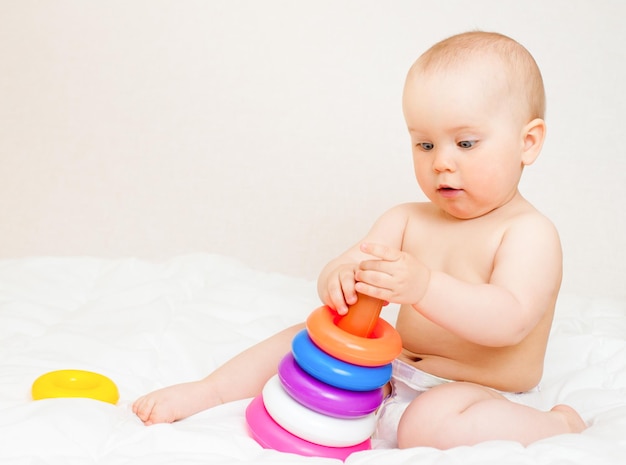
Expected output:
(322, 397)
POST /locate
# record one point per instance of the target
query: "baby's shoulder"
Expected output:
(532, 228)
(531, 220)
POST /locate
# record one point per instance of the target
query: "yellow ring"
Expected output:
(382, 347)
(75, 383)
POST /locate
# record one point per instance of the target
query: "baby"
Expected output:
(476, 270)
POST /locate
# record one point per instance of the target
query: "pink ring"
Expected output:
(270, 435)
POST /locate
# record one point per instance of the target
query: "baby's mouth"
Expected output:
(448, 191)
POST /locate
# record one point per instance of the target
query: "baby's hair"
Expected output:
(522, 70)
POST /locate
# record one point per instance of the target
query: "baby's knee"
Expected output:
(422, 422)
(430, 417)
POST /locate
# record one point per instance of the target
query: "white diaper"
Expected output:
(408, 382)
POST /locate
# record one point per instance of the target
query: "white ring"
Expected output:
(313, 426)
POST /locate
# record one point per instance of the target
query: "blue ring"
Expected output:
(335, 372)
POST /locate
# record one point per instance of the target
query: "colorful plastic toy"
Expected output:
(325, 398)
(75, 383)
(378, 348)
(271, 435)
(334, 371)
(322, 401)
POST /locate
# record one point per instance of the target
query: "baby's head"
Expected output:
(474, 106)
(502, 64)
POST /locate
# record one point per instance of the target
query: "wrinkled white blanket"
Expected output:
(147, 325)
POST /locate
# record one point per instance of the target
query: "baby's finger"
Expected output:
(341, 292)
(381, 251)
(380, 266)
(335, 299)
(143, 409)
(347, 286)
(375, 276)
(372, 291)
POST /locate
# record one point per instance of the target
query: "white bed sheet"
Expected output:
(147, 325)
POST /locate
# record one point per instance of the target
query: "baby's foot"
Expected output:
(175, 402)
(575, 423)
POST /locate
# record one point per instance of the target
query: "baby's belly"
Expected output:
(493, 372)
(437, 351)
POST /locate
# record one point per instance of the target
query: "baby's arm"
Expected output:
(523, 285)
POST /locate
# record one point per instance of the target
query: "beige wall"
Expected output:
(271, 130)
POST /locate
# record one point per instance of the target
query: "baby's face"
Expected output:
(467, 137)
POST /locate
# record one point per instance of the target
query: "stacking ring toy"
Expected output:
(270, 435)
(336, 372)
(323, 400)
(322, 397)
(313, 426)
(75, 383)
(382, 347)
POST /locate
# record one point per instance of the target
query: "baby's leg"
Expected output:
(241, 377)
(459, 413)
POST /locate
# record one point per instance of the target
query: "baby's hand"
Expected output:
(340, 292)
(394, 276)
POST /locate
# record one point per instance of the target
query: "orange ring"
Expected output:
(382, 347)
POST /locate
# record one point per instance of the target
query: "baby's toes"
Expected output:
(143, 408)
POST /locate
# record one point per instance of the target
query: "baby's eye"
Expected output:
(466, 144)
(426, 146)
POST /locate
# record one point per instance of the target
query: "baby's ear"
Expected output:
(534, 134)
